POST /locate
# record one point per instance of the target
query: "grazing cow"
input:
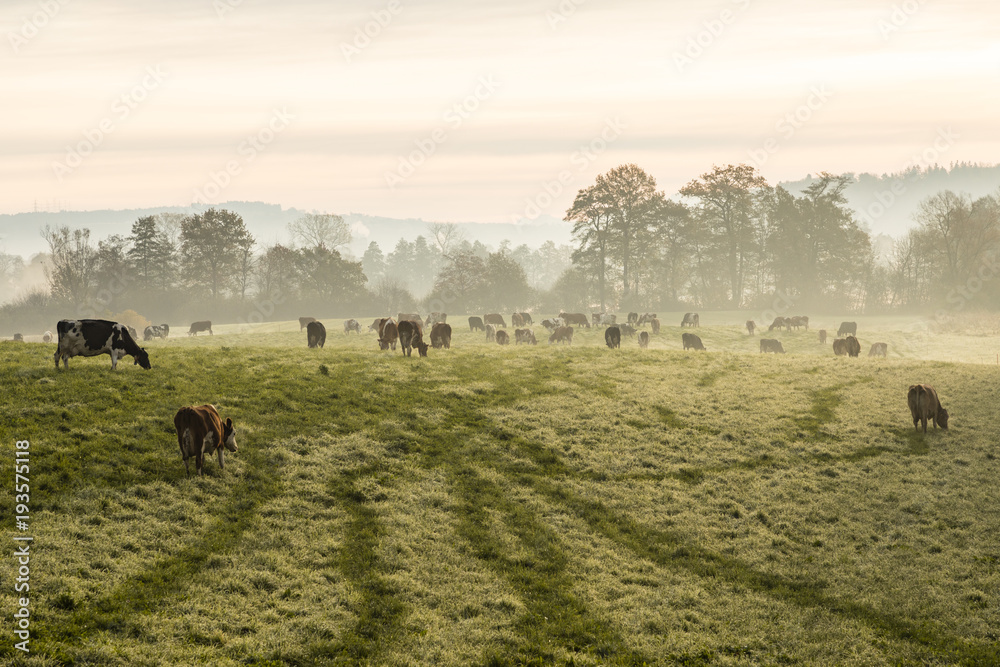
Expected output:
(607, 320)
(777, 323)
(413, 317)
(848, 328)
(150, 332)
(200, 432)
(19, 338)
(632, 318)
(374, 326)
(924, 405)
(526, 336)
(691, 320)
(526, 318)
(496, 319)
(579, 319)
(840, 347)
(751, 325)
(204, 325)
(691, 341)
(441, 336)
(502, 337)
(89, 338)
(434, 318)
(613, 337)
(771, 345)
(656, 326)
(552, 324)
(165, 330)
(645, 318)
(853, 346)
(388, 334)
(352, 325)
(303, 321)
(796, 322)
(410, 336)
(627, 330)
(879, 350)
(822, 336)
(595, 318)
(47, 336)
(516, 320)
(316, 334)
(563, 334)
(644, 339)
(491, 333)
(476, 323)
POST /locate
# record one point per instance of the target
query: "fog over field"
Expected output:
(550, 332)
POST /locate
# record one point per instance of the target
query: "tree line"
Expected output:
(730, 240)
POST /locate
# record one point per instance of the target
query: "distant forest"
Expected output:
(726, 240)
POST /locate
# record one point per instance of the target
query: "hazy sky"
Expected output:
(464, 110)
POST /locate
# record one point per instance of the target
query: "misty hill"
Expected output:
(886, 203)
(19, 233)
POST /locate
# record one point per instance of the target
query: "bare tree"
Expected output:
(320, 229)
(446, 237)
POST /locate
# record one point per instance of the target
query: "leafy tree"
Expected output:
(325, 274)
(462, 283)
(505, 284)
(151, 255)
(210, 245)
(592, 219)
(373, 262)
(72, 258)
(277, 272)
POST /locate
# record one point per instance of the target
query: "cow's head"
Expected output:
(421, 347)
(942, 418)
(229, 435)
(383, 344)
(141, 358)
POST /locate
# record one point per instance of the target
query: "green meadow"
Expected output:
(513, 505)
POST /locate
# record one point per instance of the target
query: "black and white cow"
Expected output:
(89, 338)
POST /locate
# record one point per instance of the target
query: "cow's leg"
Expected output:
(114, 359)
(222, 461)
(57, 359)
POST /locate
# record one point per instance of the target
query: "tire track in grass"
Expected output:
(168, 579)
(670, 549)
(379, 612)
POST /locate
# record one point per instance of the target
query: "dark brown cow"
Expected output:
(502, 337)
(924, 405)
(411, 336)
(526, 318)
(200, 431)
(840, 347)
(476, 323)
(579, 319)
(853, 346)
(778, 323)
(822, 336)
(771, 345)
(632, 318)
(656, 326)
(796, 322)
(562, 335)
(516, 320)
(204, 325)
(18, 338)
(441, 336)
(303, 321)
(613, 337)
(879, 350)
(848, 328)
(316, 334)
(496, 319)
(691, 341)
(627, 330)
(388, 335)
(751, 325)
(644, 339)
(691, 320)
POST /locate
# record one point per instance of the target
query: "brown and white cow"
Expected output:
(879, 350)
(200, 432)
(89, 338)
(303, 321)
(441, 336)
(388, 334)
(924, 404)
(516, 320)
(352, 325)
(526, 336)
(644, 318)
(204, 325)
(690, 320)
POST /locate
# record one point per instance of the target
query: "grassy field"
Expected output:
(519, 505)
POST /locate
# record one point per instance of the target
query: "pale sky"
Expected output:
(487, 101)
